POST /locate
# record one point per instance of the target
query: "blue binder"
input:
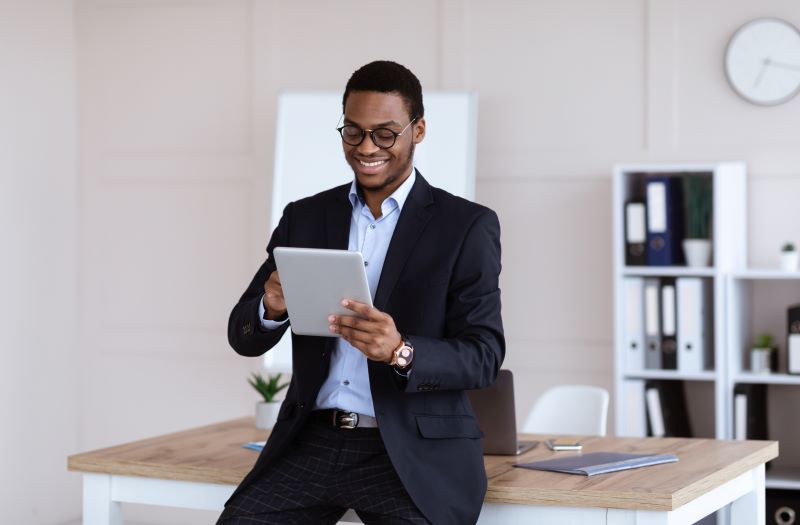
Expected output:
(664, 221)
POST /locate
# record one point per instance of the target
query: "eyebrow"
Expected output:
(379, 125)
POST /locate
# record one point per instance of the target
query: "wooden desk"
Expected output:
(199, 468)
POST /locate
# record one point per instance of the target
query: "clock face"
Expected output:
(763, 61)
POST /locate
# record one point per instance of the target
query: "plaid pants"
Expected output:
(322, 474)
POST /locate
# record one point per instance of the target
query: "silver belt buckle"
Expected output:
(346, 419)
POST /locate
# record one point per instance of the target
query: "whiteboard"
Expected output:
(309, 157)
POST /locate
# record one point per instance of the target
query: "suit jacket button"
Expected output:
(247, 328)
(301, 405)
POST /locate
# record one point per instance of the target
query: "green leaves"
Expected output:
(697, 200)
(764, 340)
(269, 388)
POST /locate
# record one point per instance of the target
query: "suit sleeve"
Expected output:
(470, 354)
(245, 333)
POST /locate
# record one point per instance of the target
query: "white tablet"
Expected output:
(314, 283)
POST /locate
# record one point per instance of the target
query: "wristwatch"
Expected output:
(402, 356)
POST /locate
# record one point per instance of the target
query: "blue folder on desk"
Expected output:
(599, 463)
(258, 446)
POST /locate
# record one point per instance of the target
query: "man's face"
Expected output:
(376, 169)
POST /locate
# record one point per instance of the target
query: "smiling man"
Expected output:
(377, 419)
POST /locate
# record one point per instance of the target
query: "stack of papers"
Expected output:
(599, 463)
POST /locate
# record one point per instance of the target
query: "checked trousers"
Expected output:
(322, 474)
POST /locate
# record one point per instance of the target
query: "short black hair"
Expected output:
(385, 76)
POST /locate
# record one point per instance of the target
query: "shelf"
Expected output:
(766, 274)
(767, 379)
(783, 478)
(708, 375)
(667, 271)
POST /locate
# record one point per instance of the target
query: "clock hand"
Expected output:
(784, 65)
(761, 72)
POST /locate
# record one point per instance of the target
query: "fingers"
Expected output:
(371, 331)
(274, 301)
(365, 310)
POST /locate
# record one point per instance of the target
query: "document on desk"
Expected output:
(258, 446)
(599, 463)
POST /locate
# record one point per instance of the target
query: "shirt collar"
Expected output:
(399, 196)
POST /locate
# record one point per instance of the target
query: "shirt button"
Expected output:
(366, 263)
(346, 382)
(371, 226)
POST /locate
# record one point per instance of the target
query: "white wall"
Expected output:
(39, 376)
(176, 108)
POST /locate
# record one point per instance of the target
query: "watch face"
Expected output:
(404, 356)
(763, 61)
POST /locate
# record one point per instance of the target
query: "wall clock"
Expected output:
(762, 61)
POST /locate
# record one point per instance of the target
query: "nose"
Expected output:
(367, 146)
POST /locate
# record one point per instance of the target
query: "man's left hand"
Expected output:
(372, 332)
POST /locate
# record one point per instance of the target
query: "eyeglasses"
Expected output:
(384, 138)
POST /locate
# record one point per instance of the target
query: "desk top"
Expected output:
(214, 454)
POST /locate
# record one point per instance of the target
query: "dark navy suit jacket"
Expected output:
(440, 285)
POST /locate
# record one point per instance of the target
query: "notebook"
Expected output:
(494, 409)
(599, 462)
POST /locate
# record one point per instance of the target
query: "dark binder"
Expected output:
(783, 506)
(669, 324)
(664, 221)
(750, 411)
(635, 234)
(670, 412)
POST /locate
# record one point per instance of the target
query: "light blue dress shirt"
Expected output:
(347, 385)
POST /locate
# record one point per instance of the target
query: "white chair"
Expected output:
(569, 409)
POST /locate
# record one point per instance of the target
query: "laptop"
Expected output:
(494, 409)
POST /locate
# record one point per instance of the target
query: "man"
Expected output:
(377, 419)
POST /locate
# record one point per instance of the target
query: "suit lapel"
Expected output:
(338, 214)
(413, 219)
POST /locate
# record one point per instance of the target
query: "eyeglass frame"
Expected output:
(372, 134)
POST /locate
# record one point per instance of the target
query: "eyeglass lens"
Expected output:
(382, 137)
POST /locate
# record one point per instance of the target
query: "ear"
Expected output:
(419, 130)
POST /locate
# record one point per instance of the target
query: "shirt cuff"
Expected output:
(268, 324)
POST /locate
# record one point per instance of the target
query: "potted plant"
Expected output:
(697, 244)
(789, 257)
(764, 355)
(267, 410)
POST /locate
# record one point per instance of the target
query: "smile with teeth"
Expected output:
(371, 164)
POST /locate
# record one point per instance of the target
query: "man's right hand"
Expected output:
(274, 303)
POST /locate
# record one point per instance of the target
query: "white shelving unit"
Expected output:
(746, 302)
(710, 398)
(758, 300)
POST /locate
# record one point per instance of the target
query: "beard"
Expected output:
(400, 174)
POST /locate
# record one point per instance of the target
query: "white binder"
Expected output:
(740, 416)
(633, 329)
(635, 412)
(695, 332)
(652, 324)
(654, 412)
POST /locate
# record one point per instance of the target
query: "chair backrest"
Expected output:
(570, 409)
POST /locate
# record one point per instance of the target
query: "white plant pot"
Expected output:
(760, 360)
(789, 261)
(697, 252)
(267, 413)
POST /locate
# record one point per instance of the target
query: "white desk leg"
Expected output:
(750, 509)
(98, 507)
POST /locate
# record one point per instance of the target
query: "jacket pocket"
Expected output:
(444, 427)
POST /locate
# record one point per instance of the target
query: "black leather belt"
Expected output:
(343, 419)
